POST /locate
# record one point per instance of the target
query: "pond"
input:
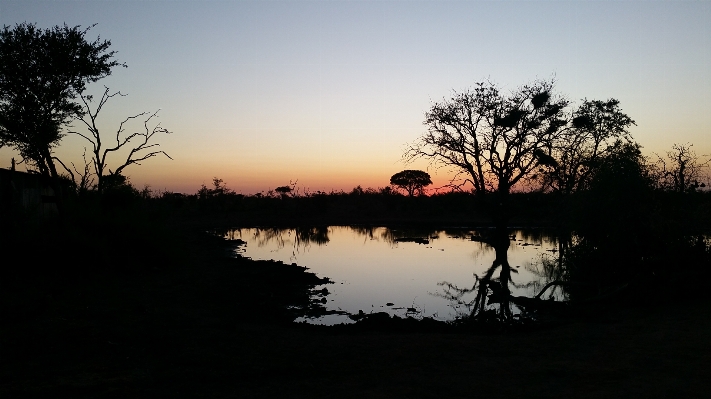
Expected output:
(398, 271)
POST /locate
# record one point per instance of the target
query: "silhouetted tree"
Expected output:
(412, 181)
(219, 197)
(595, 131)
(495, 141)
(219, 189)
(616, 221)
(617, 198)
(682, 171)
(595, 127)
(283, 191)
(42, 72)
(138, 144)
(491, 138)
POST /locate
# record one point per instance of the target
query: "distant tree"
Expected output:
(42, 72)
(219, 189)
(387, 190)
(682, 170)
(219, 197)
(283, 191)
(358, 190)
(412, 181)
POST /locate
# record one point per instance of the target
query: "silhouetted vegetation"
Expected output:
(412, 181)
(682, 170)
(42, 72)
(142, 147)
(627, 228)
(43, 88)
(529, 138)
(132, 277)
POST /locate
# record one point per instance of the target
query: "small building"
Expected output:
(29, 193)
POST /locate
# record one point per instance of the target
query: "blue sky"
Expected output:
(330, 92)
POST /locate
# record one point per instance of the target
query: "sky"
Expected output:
(329, 94)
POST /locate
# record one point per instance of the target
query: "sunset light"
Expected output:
(331, 93)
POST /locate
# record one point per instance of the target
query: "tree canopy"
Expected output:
(594, 130)
(42, 72)
(491, 138)
(412, 181)
(496, 140)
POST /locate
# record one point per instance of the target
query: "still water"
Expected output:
(397, 271)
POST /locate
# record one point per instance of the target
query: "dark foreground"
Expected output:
(127, 315)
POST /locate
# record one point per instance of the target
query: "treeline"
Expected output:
(613, 200)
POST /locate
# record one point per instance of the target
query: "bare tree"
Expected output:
(84, 180)
(140, 143)
(682, 170)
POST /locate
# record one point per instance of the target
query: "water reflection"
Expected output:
(312, 235)
(401, 271)
(393, 235)
(494, 298)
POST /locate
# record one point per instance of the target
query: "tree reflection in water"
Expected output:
(395, 235)
(488, 289)
(493, 299)
(349, 261)
(300, 237)
(311, 235)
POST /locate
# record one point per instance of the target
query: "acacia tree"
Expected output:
(42, 72)
(412, 181)
(284, 191)
(138, 144)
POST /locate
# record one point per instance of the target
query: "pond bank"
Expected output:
(175, 317)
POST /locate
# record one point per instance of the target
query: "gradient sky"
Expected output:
(330, 93)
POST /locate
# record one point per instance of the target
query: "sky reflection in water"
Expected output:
(370, 268)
